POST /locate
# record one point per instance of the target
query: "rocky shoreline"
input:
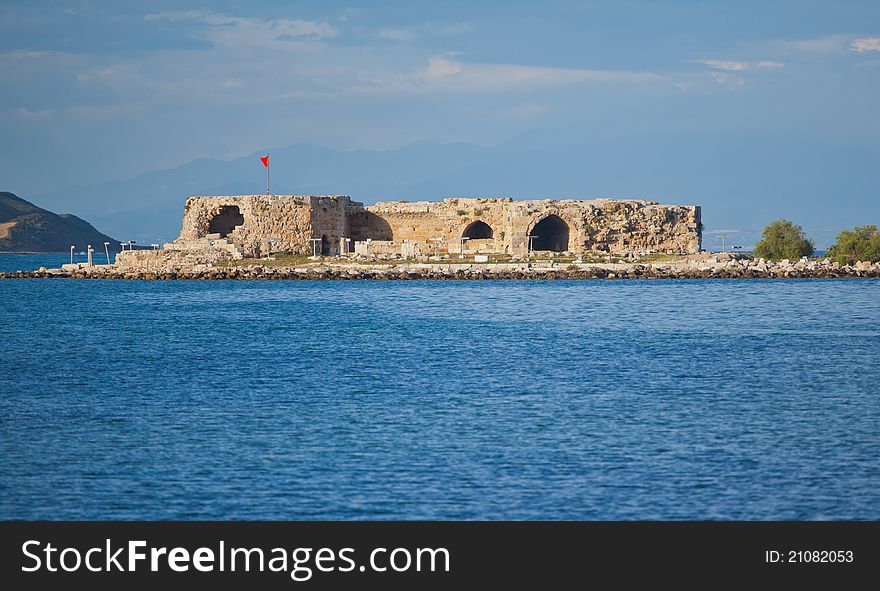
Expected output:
(713, 267)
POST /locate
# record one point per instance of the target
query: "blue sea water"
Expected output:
(10, 262)
(733, 399)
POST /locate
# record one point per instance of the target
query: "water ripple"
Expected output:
(431, 400)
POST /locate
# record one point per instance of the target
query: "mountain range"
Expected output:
(716, 171)
(24, 227)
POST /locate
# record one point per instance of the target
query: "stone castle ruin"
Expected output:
(231, 227)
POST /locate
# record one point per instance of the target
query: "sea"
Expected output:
(11, 262)
(412, 400)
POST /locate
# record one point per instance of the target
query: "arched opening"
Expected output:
(366, 225)
(325, 245)
(551, 233)
(478, 230)
(225, 221)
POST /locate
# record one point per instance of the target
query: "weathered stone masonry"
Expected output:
(281, 223)
(216, 227)
(559, 225)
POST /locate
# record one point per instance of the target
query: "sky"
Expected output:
(97, 91)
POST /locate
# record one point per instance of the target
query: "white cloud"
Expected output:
(234, 31)
(438, 67)
(447, 74)
(821, 45)
(723, 79)
(444, 72)
(26, 113)
(180, 15)
(725, 65)
(864, 44)
(732, 66)
(348, 14)
(412, 33)
(729, 73)
(833, 44)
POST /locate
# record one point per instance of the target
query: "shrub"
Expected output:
(783, 239)
(862, 243)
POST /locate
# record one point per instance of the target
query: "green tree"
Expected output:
(783, 239)
(862, 243)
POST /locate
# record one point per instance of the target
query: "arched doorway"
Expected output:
(325, 245)
(225, 221)
(478, 230)
(366, 225)
(551, 233)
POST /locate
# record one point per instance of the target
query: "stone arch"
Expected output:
(551, 233)
(478, 230)
(225, 221)
(365, 225)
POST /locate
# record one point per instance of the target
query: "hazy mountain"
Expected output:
(150, 206)
(718, 171)
(24, 227)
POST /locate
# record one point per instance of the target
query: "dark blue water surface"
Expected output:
(744, 399)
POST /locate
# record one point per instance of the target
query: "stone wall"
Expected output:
(279, 223)
(219, 228)
(171, 260)
(577, 226)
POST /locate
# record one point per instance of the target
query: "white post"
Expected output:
(107, 251)
(314, 242)
(531, 238)
(89, 255)
(72, 247)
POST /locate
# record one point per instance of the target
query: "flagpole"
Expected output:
(267, 174)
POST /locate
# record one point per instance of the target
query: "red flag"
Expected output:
(265, 160)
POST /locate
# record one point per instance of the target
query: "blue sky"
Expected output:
(98, 91)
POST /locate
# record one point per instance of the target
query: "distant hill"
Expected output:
(149, 207)
(24, 227)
